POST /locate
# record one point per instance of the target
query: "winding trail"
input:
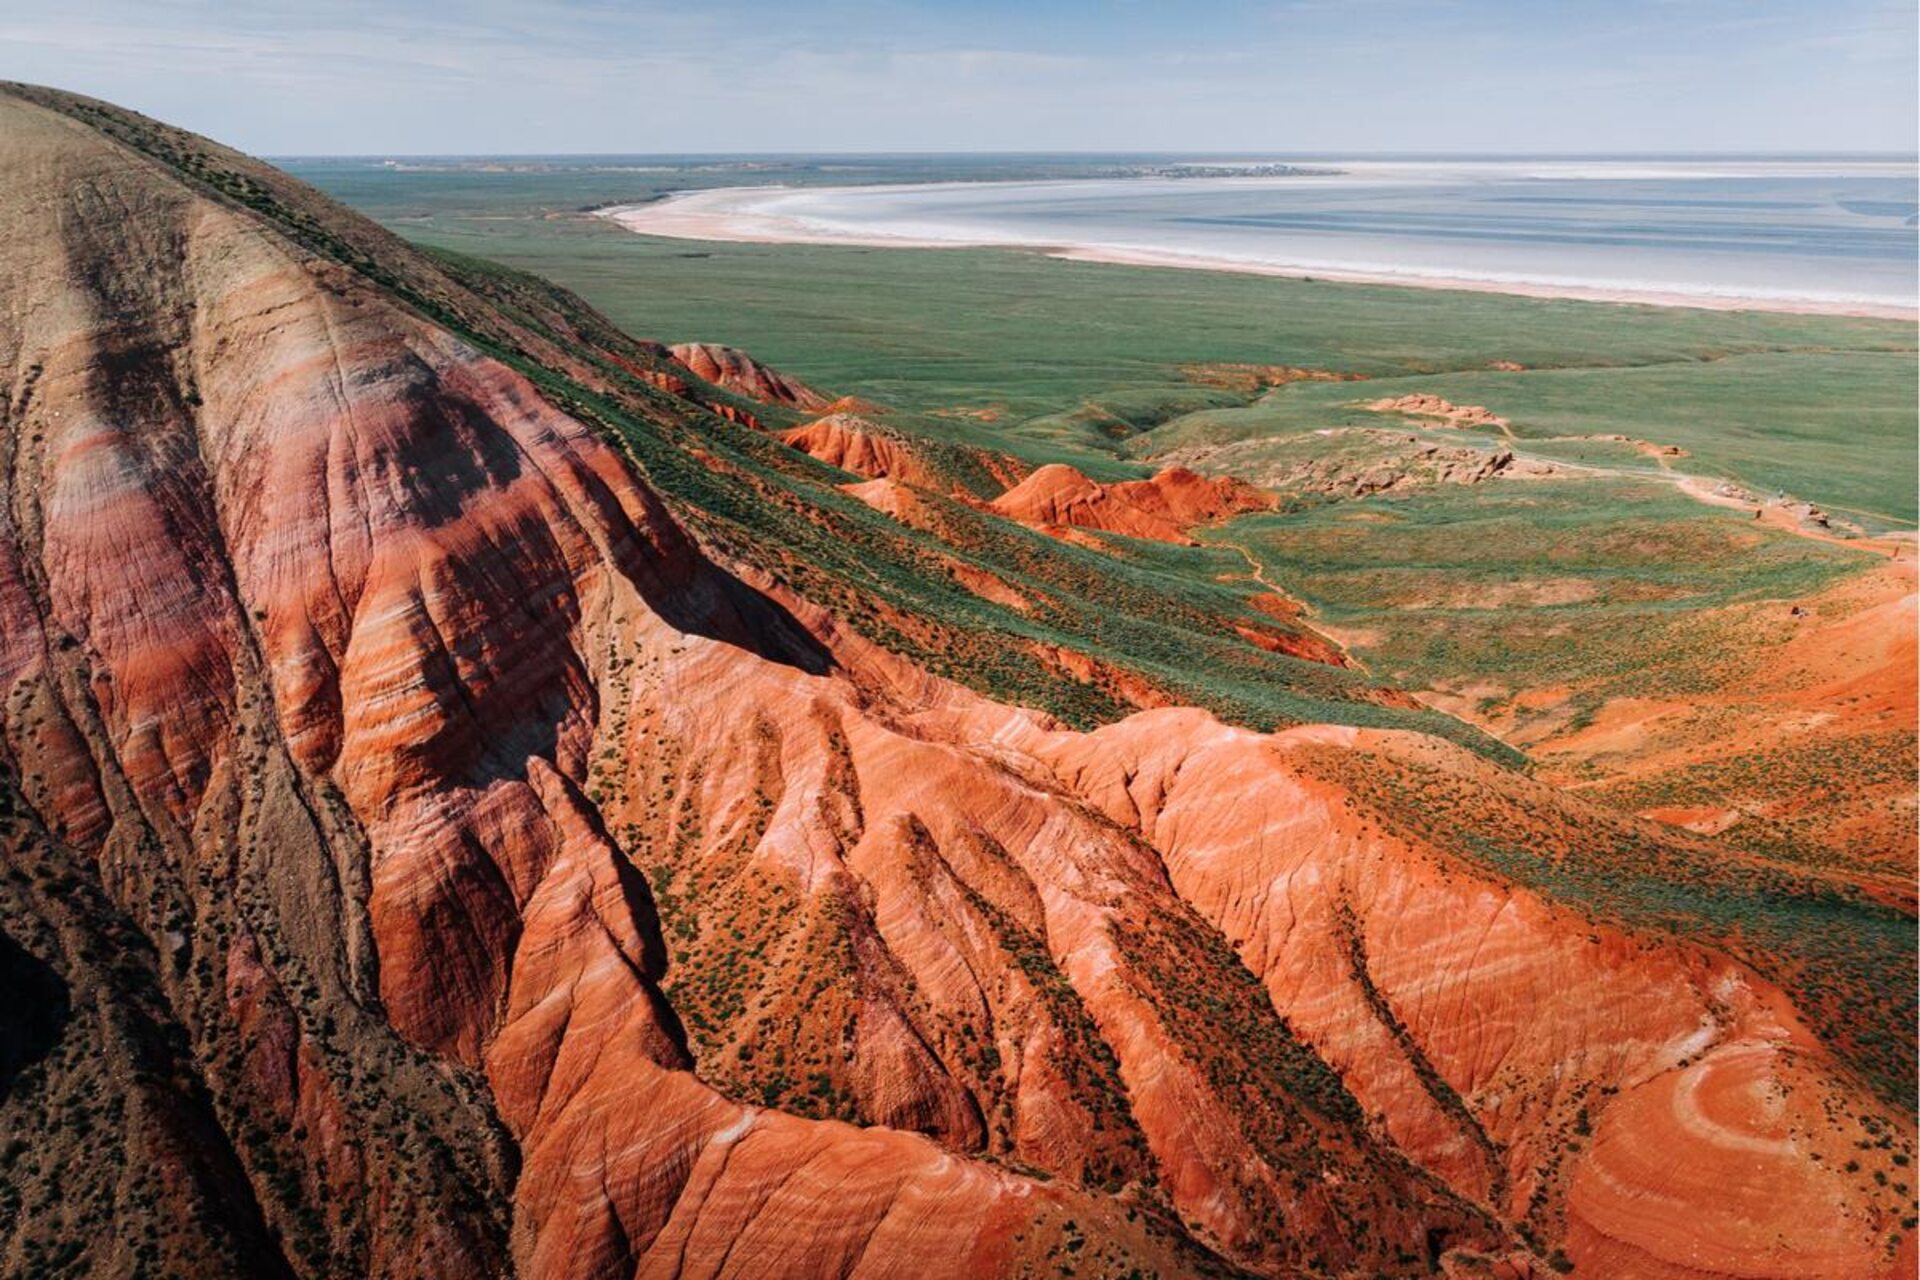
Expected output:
(1258, 573)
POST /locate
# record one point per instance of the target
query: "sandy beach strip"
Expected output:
(736, 215)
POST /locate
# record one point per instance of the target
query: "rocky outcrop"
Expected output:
(861, 446)
(1357, 462)
(1160, 509)
(734, 370)
(1786, 509)
(1250, 378)
(1432, 410)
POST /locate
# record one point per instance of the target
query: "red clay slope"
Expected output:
(303, 644)
(1161, 509)
(734, 370)
(855, 444)
(544, 900)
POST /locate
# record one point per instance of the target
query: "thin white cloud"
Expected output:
(594, 75)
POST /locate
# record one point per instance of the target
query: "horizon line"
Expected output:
(1193, 154)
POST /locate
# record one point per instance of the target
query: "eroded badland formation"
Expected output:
(459, 820)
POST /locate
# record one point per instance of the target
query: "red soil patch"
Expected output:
(988, 586)
(855, 405)
(1125, 685)
(1161, 509)
(1843, 679)
(1708, 820)
(1294, 644)
(894, 498)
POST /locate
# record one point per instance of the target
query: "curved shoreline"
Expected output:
(728, 214)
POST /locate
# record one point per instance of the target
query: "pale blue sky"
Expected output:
(513, 76)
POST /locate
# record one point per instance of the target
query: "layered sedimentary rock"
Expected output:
(852, 443)
(458, 869)
(329, 753)
(1162, 508)
(734, 370)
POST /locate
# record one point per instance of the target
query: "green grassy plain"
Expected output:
(1835, 426)
(1532, 584)
(1088, 362)
(1092, 364)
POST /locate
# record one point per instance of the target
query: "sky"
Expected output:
(414, 77)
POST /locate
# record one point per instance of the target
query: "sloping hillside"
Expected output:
(473, 807)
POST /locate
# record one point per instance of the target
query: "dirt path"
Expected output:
(1258, 573)
(1893, 546)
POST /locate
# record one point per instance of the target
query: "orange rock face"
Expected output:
(854, 444)
(1686, 1173)
(532, 891)
(1161, 509)
(734, 370)
(325, 651)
